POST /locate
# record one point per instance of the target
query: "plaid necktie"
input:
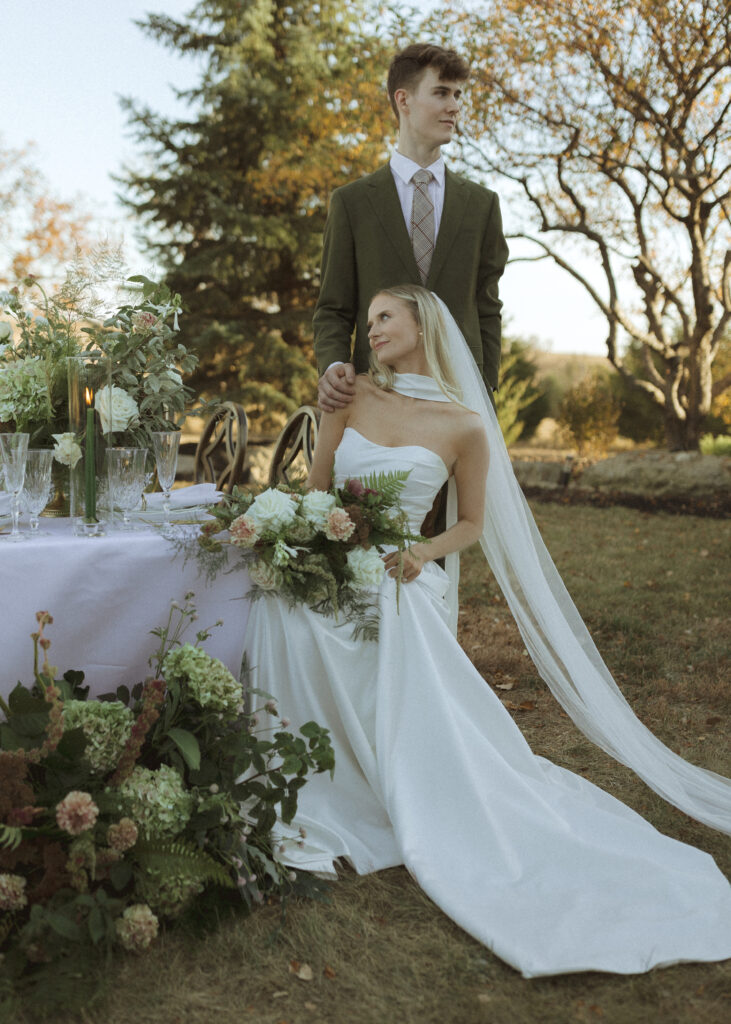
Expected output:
(422, 223)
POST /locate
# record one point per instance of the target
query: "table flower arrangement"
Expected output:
(118, 815)
(140, 340)
(318, 548)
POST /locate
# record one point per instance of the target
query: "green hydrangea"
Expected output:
(24, 391)
(168, 892)
(107, 726)
(156, 800)
(208, 680)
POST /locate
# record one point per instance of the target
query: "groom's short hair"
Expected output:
(408, 66)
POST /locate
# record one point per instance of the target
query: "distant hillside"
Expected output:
(568, 367)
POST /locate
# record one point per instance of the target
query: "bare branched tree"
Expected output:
(612, 121)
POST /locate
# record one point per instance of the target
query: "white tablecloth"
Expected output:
(105, 595)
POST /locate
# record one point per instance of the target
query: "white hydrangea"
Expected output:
(117, 410)
(317, 506)
(367, 567)
(272, 510)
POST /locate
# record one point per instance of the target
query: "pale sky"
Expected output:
(66, 62)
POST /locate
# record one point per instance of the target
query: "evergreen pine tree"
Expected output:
(291, 104)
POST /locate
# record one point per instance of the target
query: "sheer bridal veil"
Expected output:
(552, 629)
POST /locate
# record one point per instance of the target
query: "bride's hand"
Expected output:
(413, 562)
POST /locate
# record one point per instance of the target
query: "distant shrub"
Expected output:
(711, 445)
(589, 415)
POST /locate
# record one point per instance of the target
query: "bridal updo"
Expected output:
(424, 308)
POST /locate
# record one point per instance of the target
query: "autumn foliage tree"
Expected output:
(610, 124)
(39, 232)
(233, 199)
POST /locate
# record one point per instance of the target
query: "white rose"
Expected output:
(266, 576)
(6, 331)
(116, 410)
(317, 506)
(271, 510)
(367, 567)
(67, 450)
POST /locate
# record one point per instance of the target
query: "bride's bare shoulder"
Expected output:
(468, 427)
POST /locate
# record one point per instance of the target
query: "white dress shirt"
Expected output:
(403, 169)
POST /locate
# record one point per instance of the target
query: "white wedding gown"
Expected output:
(548, 871)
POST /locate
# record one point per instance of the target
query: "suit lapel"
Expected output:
(386, 205)
(455, 207)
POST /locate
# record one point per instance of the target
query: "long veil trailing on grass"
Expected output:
(554, 632)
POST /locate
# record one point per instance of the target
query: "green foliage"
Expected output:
(711, 445)
(590, 413)
(518, 399)
(289, 106)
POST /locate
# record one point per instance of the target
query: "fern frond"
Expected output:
(389, 485)
(177, 854)
(10, 837)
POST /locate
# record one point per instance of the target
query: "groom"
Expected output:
(411, 221)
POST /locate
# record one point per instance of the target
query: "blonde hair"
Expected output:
(424, 308)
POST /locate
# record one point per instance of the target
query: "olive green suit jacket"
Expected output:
(367, 247)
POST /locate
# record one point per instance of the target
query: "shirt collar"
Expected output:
(405, 168)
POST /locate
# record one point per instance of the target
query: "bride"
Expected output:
(546, 869)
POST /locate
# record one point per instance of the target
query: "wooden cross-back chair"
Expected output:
(292, 458)
(219, 457)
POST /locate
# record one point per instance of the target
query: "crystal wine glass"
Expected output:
(126, 474)
(14, 451)
(165, 444)
(37, 486)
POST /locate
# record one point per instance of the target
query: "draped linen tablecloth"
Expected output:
(105, 595)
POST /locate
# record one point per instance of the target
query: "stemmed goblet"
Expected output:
(165, 444)
(14, 451)
(126, 474)
(37, 485)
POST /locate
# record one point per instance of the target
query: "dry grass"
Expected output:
(652, 590)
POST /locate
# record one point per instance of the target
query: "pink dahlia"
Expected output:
(76, 813)
(339, 525)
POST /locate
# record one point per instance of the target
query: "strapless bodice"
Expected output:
(356, 456)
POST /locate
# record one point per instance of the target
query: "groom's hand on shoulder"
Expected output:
(336, 387)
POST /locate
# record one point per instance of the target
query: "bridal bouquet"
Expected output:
(149, 805)
(318, 548)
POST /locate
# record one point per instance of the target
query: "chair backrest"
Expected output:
(219, 457)
(292, 458)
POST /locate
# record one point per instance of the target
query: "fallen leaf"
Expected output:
(302, 971)
(328, 972)
(504, 686)
(509, 704)
(527, 705)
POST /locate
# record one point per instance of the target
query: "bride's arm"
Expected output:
(470, 474)
(330, 432)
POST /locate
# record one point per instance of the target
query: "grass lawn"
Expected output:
(652, 590)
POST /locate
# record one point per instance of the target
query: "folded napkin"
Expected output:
(186, 497)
